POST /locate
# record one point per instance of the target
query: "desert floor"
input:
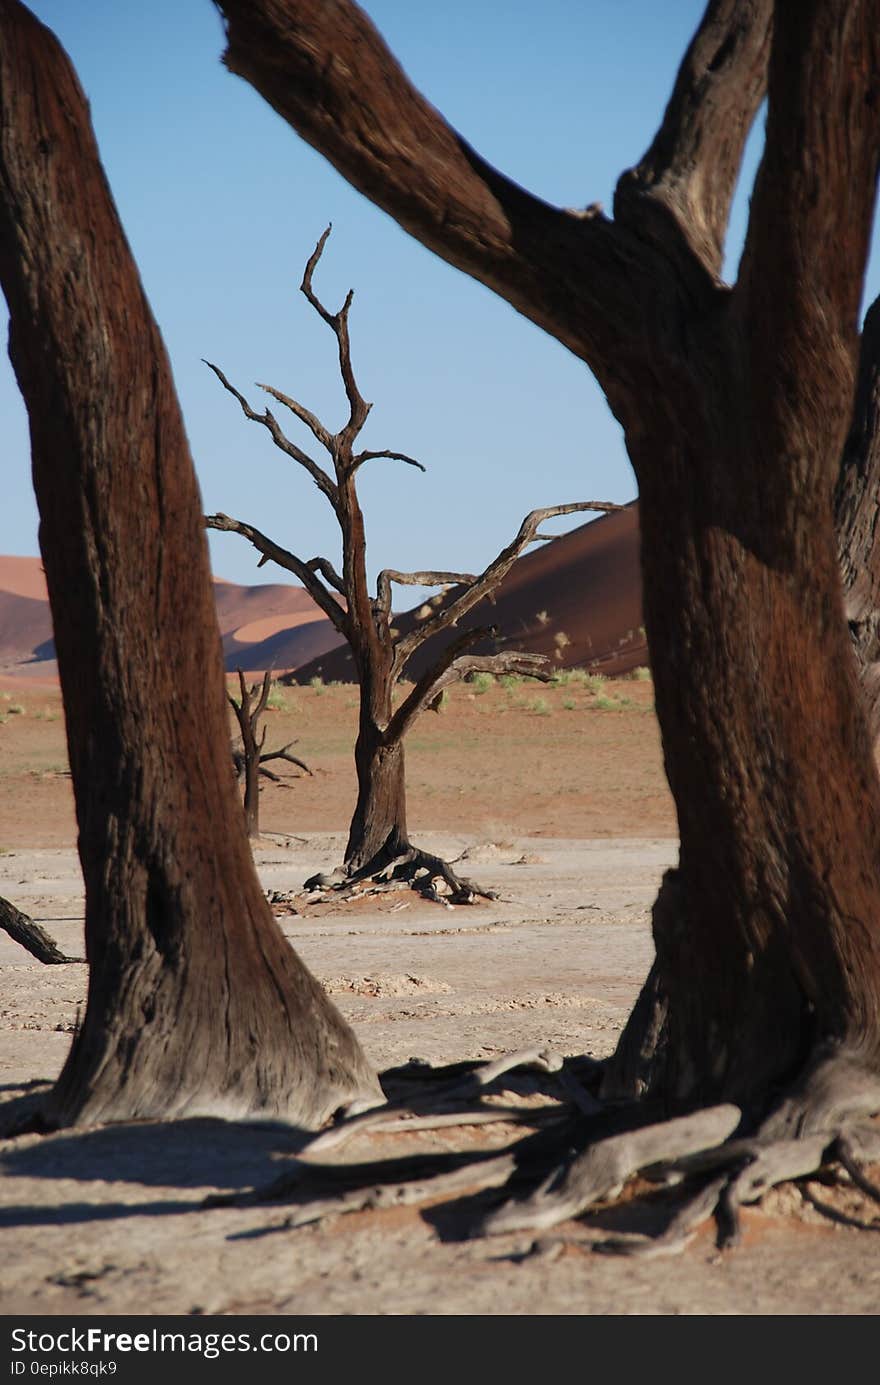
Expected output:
(552, 796)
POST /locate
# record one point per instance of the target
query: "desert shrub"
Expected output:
(481, 682)
(276, 700)
(606, 704)
(640, 674)
(540, 706)
(317, 683)
(569, 704)
(510, 680)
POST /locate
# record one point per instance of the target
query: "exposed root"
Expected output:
(601, 1170)
(458, 1094)
(582, 1154)
(430, 876)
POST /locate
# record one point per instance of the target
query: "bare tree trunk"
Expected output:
(765, 935)
(196, 1003)
(856, 513)
(378, 826)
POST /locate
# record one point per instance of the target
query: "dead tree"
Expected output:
(250, 762)
(735, 400)
(378, 840)
(196, 1001)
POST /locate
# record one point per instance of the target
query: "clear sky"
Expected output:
(223, 203)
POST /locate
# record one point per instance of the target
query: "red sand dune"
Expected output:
(576, 599)
(252, 620)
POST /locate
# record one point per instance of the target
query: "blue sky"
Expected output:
(223, 203)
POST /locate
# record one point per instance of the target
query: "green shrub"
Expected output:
(481, 682)
(276, 701)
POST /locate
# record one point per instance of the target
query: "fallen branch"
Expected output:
(30, 935)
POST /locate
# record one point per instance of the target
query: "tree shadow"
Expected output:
(199, 1156)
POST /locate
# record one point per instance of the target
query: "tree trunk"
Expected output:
(856, 513)
(252, 797)
(378, 827)
(766, 936)
(196, 1002)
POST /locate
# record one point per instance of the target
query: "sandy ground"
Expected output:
(110, 1221)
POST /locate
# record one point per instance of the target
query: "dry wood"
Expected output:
(32, 936)
(305, 571)
(427, 1104)
(318, 475)
(677, 1235)
(602, 1169)
(490, 578)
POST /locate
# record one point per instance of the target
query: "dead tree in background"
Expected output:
(378, 839)
(250, 762)
(196, 1002)
(735, 402)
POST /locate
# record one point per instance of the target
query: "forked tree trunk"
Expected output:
(196, 1002)
(735, 405)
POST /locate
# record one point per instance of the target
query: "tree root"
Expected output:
(430, 876)
(582, 1154)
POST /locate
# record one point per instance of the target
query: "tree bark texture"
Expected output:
(856, 512)
(196, 1003)
(735, 403)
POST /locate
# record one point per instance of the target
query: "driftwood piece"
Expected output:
(399, 1114)
(30, 935)
(603, 1168)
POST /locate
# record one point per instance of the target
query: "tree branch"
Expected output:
(690, 171)
(362, 457)
(416, 579)
(30, 935)
(815, 189)
(328, 571)
(320, 433)
(284, 754)
(358, 407)
(489, 579)
(306, 572)
(268, 420)
(454, 665)
(571, 274)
